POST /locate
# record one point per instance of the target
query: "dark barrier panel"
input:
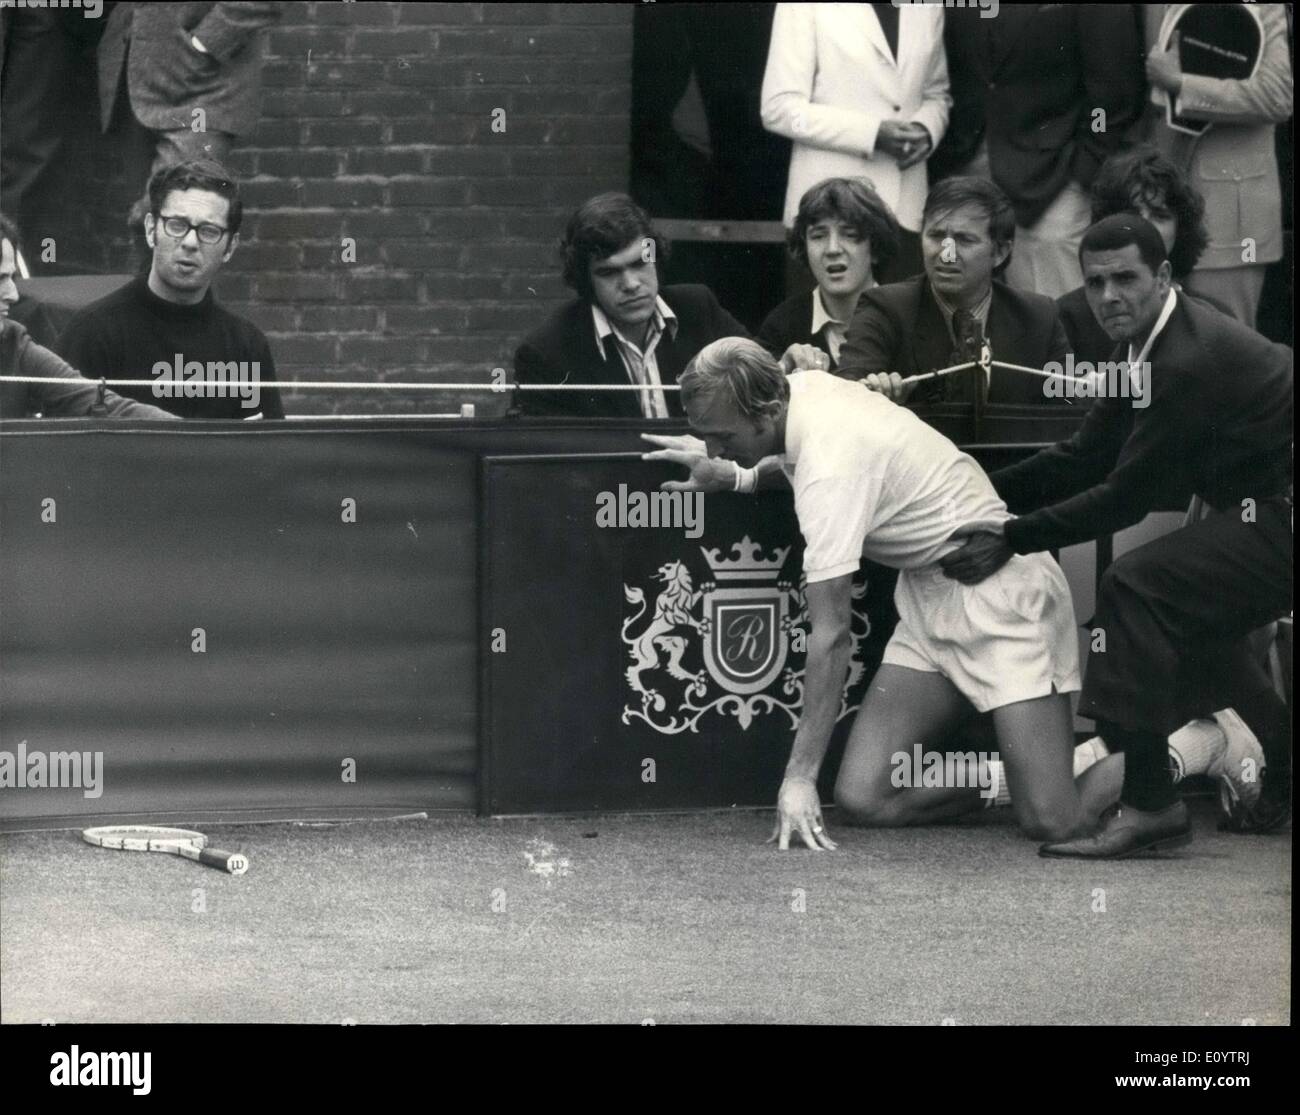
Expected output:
(638, 667)
(325, 641)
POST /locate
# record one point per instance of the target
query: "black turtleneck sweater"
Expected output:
(124, 335)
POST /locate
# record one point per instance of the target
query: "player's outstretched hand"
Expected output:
(804, 357)
(707, 474)
(889, 384)
(982, 555)
(678, 443)
(798, 809)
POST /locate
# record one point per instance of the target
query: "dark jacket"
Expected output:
(1031, 80)
(1088, 340)
(21, 356)
(34, 316)
(791, 324)
(563, 350)
(167, 78)
(1218, 425)
(900, 328)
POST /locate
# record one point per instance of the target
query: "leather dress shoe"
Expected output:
(1125, 831)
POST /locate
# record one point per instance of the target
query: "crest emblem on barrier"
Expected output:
(733, 633)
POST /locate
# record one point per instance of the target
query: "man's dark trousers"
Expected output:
(1175, 614)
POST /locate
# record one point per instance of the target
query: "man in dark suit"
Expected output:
(167, 63)
(1173, 614)
(1145, 182)
(1041, 96)
(938, 319)
(622, 328)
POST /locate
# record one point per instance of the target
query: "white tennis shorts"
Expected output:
(1012, 637)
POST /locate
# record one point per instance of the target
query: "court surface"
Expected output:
(675, 918)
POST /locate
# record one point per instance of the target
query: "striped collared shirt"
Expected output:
(642, 366)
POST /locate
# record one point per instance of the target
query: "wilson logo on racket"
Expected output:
(175, 842)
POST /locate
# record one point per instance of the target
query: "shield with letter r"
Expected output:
(746, 644)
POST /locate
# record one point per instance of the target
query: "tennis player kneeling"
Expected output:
(871, 479)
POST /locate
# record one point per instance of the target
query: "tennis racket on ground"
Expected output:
(176, 842)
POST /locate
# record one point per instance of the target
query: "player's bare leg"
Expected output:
(1036, 742)
(902, 708)
(1100, 784)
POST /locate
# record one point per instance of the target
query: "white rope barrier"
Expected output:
(995, 364)
(176, 387)
(1040, 373)
(942, 372)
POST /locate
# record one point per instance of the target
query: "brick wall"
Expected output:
(377, 124)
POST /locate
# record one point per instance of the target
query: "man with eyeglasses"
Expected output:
(165, 326)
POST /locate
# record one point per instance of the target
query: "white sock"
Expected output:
(997, 780)
(1195, 747)
(1089, 753)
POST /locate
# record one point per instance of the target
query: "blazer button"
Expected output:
(898, 108)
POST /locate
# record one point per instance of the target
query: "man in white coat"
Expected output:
(862, 90)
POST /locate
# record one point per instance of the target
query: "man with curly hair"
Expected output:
(1148, 183)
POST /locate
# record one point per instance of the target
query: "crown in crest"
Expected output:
(746, 566)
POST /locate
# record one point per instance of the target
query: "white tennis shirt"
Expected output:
(872, 480)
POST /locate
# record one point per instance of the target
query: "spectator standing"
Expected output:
(181, 81)
(1233, 163)
(1042, 95)
(862, 90)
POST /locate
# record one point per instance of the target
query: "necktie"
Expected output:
(968, 333)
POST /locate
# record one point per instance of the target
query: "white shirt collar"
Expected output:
(821, 317)
(1171, 299)
(794, 420)
(664, 320)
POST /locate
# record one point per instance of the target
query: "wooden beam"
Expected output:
(722, 232)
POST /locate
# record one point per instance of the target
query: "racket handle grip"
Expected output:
(233, 862)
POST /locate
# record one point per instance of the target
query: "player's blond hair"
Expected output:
(744, 371)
